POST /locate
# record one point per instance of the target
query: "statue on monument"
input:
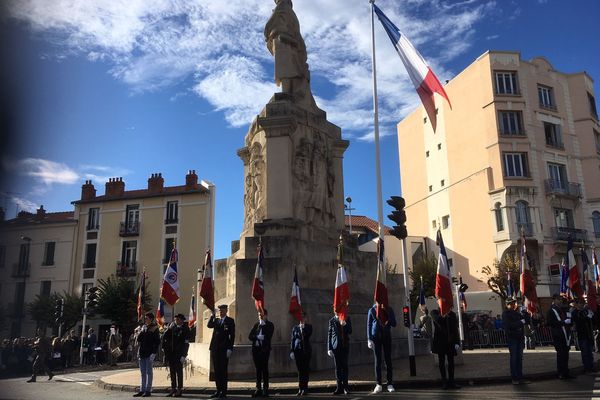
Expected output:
(285, 43)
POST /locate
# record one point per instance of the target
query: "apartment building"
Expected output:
(35, 259)
(519, 151)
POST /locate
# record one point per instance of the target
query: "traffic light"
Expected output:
(58, 310)
(398, 216)
(462, 287)
(92, 297)
(406, 316)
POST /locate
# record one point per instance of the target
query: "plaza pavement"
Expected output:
(484, 366)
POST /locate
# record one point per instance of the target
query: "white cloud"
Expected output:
(46, 171)
(24, 204)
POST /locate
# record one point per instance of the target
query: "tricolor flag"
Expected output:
(295, 301)
(528, 290)
(170, 288)
(443, 279)
(510, 291)
(421, 75)
(207, 291)
(160, 313)
(564, 277)
(341, 295)
(141, 296)
(258, 288)
(422, 293)
(381, 293)
(463, 300)
(574, 282)
(590, 283)
(596, 266)
(192, 314)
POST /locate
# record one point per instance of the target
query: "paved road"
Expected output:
(80, 386)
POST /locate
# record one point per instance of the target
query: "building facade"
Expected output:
(35, 259)
(519, 151)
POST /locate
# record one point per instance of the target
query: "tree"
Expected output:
(72, 310)
(497, 275)
(425, 267)
(41, 310)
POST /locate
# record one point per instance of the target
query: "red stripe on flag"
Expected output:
(443, 291)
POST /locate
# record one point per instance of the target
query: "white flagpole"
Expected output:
(411, 344)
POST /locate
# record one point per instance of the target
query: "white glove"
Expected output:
(568, 321)
(182, 360)
(152, 357)
(523, 321)
(261, 322)
(292, 356)
(456, 347)
(590, 314)
(229, 353)
(330, 353)
(370, 344)
(343, 322)
(569, 314)
(260, 337)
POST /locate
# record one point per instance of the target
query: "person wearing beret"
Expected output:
(175, 343)
(221, 347)
(559, 320)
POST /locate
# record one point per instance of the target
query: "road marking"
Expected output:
(65, 379)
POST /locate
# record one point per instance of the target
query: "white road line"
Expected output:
(62, 378)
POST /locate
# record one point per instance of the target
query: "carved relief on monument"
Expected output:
(254, 194)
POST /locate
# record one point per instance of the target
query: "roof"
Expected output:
(27, 218)
(360, 221)
(143, 193)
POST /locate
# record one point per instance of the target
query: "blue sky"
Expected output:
(128, 88)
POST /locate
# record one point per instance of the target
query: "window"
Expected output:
(597, 140)
(442, 183)
(169, 244)
(439, 146)
(499, 219)
(93, 219)
(553, 135)
(445, 221)
(522, 211)
(515, 165)
(430, 188)
(2, 256)
(511, 122)
(563, 218)
(596, 223)
(45, 287)
(24, 257)
(129, 254)
(132, 217)
(433, 224)
(90, 256)
(558, 176)
(49, 253)
(427, 153)
(172, 212)
(593, 109)
(546, 97)
(506, 82)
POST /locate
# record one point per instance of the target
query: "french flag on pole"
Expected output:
(170, 287)
(160, 313)
(295, 301)
(381, 292)
(258, 287)
(574, 281)
(443, 279)
(341, 295)
(207, 292)
(528, 289)
(192, 314)
(421, 75)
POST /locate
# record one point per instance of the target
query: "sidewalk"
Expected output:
(479, 367)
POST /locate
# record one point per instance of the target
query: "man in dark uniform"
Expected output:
(446, 342)
(260, 337)
(379, 337)
(338, 347)
(560, 324)
(221, 347)
(582, 317)
(513, 323)
(301, 351)
(42, 352)
(175, 343)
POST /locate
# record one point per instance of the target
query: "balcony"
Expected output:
(126, 269)
(169, 221)
(526, 228)
(93, 227)
(129, 229)
(563, 233)
(562, 188)
(21, 270)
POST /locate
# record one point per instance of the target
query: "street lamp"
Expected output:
(349, 208)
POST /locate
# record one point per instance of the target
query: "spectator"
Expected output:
(582, 317)
(92, 342)
(498, 322)
(114, 343)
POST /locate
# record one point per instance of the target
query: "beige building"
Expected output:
(519, 150)
(124, 232)
(35, 259)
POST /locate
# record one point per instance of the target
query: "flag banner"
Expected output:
(596, 266)
(295, 300)
(591, 296)
(528, 289)
(141, 296)
(341, 295)
(421, 75)
(258, 288)
(381, 293)
(564, 277)
(170, 287)
(510, 291)
(192, 314)
(585, 262)
(422, 294)
(463, 301)
(207, 287)
(160, 313)
(574, 281)
(443, 278)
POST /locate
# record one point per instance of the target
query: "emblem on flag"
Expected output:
(170, 288)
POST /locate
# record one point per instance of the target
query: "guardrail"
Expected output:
(479, 339)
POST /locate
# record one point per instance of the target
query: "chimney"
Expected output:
(88, 192)
(115, 187)
(156, 183)
(191, 180)
(2, 214)
(41, 213)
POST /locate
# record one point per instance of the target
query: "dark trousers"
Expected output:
(587, 358)
(303, 365)
(340, 357)
(383, 345)
(562, 359)
(176, 371)
(515, 348)
(40, 365)
(442, 364)
(261, 363)
(220, 363)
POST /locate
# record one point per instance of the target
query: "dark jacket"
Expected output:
(267, 330)
(301, 339)
(377, 331)
(445, 335)
(223, 333)
(556, 326)
(583, 325)
(175, 341)
(511, 322)
(148, 341)
(338, 336)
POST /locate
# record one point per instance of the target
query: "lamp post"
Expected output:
(349, 208)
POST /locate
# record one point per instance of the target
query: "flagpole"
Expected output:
(411, 344)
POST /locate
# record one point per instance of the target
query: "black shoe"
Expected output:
(173, 391)
(444, 386)
(138, 394)
(257, 393)
(50, 376)
(146, 394)
(32, 379)
(215, 395)
(265, 393)
(222, 395)
(178, 393)
(453, 386)
(337, 392)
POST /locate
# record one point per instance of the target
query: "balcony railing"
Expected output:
(129, 229)
(126, 269)
(21, 270)
(526, 228)
(563, 188)
(92, 227)
(562, 233)
(171, 221)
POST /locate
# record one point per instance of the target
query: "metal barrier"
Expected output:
(497, 338)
